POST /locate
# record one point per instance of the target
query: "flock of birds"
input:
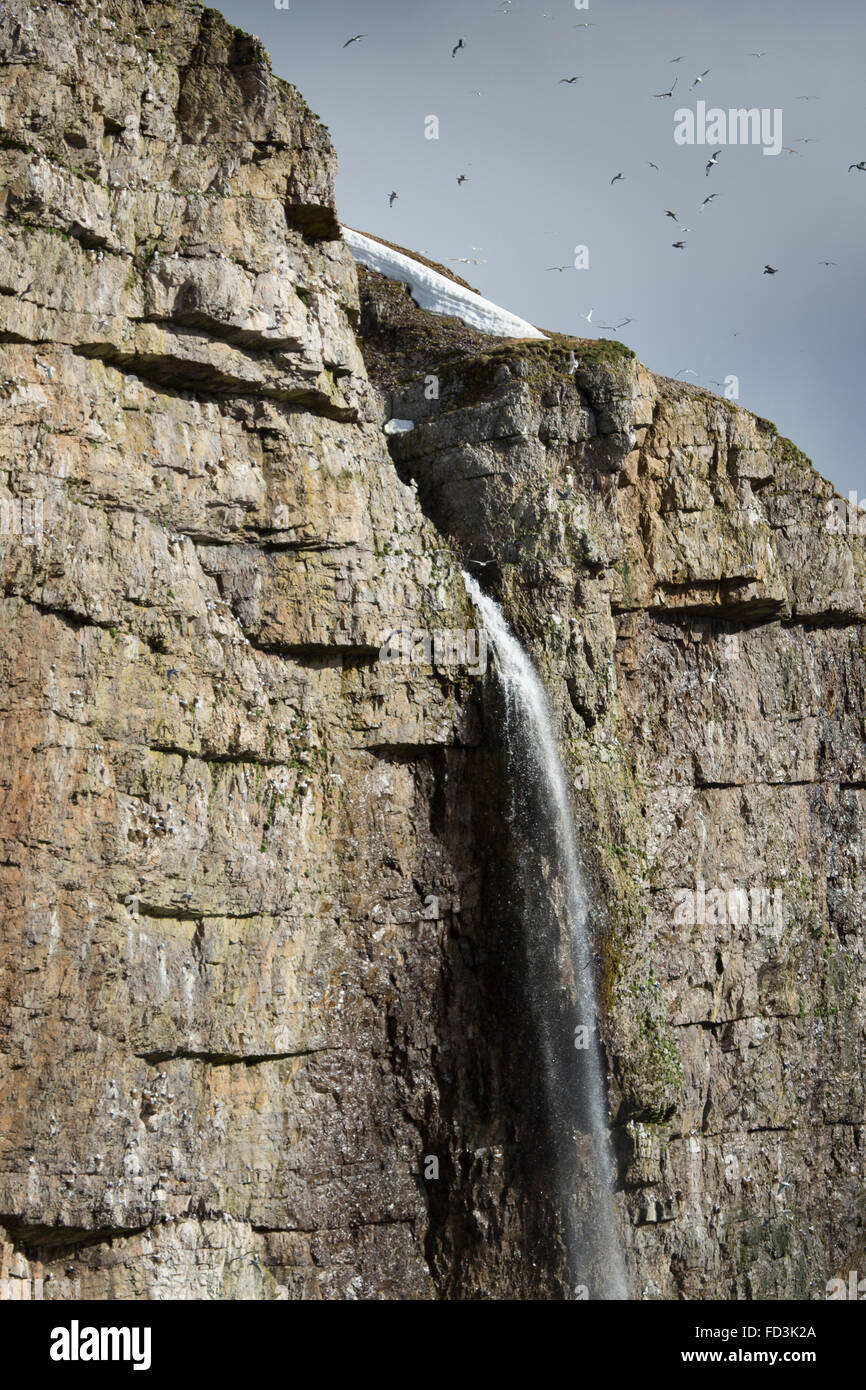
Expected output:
(679, 244)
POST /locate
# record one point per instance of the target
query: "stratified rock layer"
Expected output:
(262, 1010)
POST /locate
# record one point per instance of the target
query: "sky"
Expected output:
(539, 155)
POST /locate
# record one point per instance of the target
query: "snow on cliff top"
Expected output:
(436, 293)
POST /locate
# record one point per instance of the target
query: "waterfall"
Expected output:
(553, 907)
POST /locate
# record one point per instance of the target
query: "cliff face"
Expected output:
(262, 996)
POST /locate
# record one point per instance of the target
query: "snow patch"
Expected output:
(436, 293)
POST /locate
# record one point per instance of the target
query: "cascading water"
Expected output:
(552, 899)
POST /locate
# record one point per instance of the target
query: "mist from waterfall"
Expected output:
(553, 907)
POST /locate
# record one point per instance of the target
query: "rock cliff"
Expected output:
(262, 987)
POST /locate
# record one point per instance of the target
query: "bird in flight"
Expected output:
(686, 371)
(466, 260)
(558, 267)
(583, 26)
(613, 327)
(461, 43)
(572, 79)
(668, 213)
(808, 98)
(709, 199)
(762, 54)
(653, 166)
(588, 316)
(617, 176)
(355, 39)
(771, 270)
(679, 245)
(829, 262)
(392, 198)
(861, 166)
(700, 77)
(667, 94)
(461, 178)
(712, 161)
(789, 150)
(678, 60)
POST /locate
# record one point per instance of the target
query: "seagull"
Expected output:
(588, 316)
(558, 267)
(701, 77)
(392, 197)
(653, 166)
(789, 150)
(861, 166)
(678, 60)
(613, 327)
(770, 270)
(762, 54)
(668, 213)
(828, 263)
(686, 371)
(709, 199)
(711, 162)
(355, 39)
(617, 176)
(573, 363)
(466, 260)
(808, 98)
(572, 79)
(667, 94)
(461, 178)
(25, 291)
(583, 26)
(679, 245)
(461, 43)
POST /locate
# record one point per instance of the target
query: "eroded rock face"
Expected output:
(678, 573)
(262, 1008)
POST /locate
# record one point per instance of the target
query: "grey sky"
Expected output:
(539, 156)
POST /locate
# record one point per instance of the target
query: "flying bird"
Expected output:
(588, 316)
(461, 178)
(572, 79)
(701, 77)
(762, 54)
(788, 150)
(653, 166)
(667, 94)
(678, 60)
(808, 98)
(583, 26)
(392, 198)
(617, 176)
(861, 166)
(828, 262)
(558, 267)
(355, 39)
(771, 270)
(461, 43)
(712, 161)
(709, 199)
(679, 245)
(668, 213)
(686, 371)
(614, 326)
